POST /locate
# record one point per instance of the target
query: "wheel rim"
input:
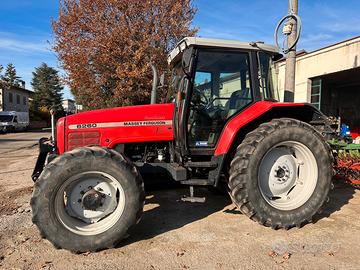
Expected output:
(89, 203)
(288, 175)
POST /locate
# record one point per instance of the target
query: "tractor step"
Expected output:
(178, 173)
(198, 182)
(203, 164)
(192, 198)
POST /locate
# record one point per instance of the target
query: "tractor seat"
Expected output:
(238, 99)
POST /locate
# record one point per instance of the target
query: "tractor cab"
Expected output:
(214, 80)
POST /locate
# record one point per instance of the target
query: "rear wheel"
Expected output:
(281, 174)
(87, 199)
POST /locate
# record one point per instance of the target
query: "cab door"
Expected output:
(221, 88)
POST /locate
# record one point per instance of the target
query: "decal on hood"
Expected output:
(122, 124)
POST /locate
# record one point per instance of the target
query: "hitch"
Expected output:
(192, 198)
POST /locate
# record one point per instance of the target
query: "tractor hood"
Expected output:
(109, 127)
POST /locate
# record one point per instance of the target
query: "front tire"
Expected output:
(281, 174)
(87, 199)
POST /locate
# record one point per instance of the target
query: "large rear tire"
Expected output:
(87, 199)
(281, 174)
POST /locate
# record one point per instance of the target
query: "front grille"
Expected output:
(78, 139)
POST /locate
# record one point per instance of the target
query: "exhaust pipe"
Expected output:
(154, 85)
(52, 113)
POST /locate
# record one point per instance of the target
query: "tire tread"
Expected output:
(96, 152)
(239, 192)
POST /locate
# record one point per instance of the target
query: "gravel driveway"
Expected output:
(177, 235)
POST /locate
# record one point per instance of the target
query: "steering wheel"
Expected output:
(211, 103)
(199, 99)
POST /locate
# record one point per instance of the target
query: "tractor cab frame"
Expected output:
(213, 81)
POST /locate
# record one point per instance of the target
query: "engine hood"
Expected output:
(123, 124)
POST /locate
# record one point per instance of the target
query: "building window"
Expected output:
(10, 97)
(24, 100)
(17, 99)
(316, 93)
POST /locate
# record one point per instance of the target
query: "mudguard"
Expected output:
(257, 110)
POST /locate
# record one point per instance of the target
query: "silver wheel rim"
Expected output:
(288, 174)
(73, 212)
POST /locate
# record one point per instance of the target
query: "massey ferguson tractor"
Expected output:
(225, 125)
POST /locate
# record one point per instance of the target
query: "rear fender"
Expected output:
(261, 112)
(251, 117)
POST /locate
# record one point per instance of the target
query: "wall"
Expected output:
(21, 106)
(338, 57)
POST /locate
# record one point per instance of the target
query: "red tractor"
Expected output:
(225, 125)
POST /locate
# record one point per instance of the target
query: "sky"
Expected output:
(26, 35)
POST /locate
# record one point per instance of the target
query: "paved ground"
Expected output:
(13, 141)
(177, 235)
(18, 153)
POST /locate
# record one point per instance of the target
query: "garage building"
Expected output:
(329, 78)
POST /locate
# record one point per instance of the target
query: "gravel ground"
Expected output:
(178, 235)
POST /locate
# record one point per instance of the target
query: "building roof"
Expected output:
(20, 89)
(335, 44)
(68, 100)
(221, 43)
(344, 43)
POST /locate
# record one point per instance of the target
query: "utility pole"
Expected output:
(291, 57)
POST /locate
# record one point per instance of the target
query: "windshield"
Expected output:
(267, 77)
(6, 118)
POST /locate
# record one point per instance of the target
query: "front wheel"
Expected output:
(87, 199)
(281, 174)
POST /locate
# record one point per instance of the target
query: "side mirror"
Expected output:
(277, 57)
(186, 60)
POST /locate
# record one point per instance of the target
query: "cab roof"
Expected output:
(218, 43)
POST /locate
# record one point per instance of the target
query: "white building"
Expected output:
(69, 105)
(329, 78)
(15, 98)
